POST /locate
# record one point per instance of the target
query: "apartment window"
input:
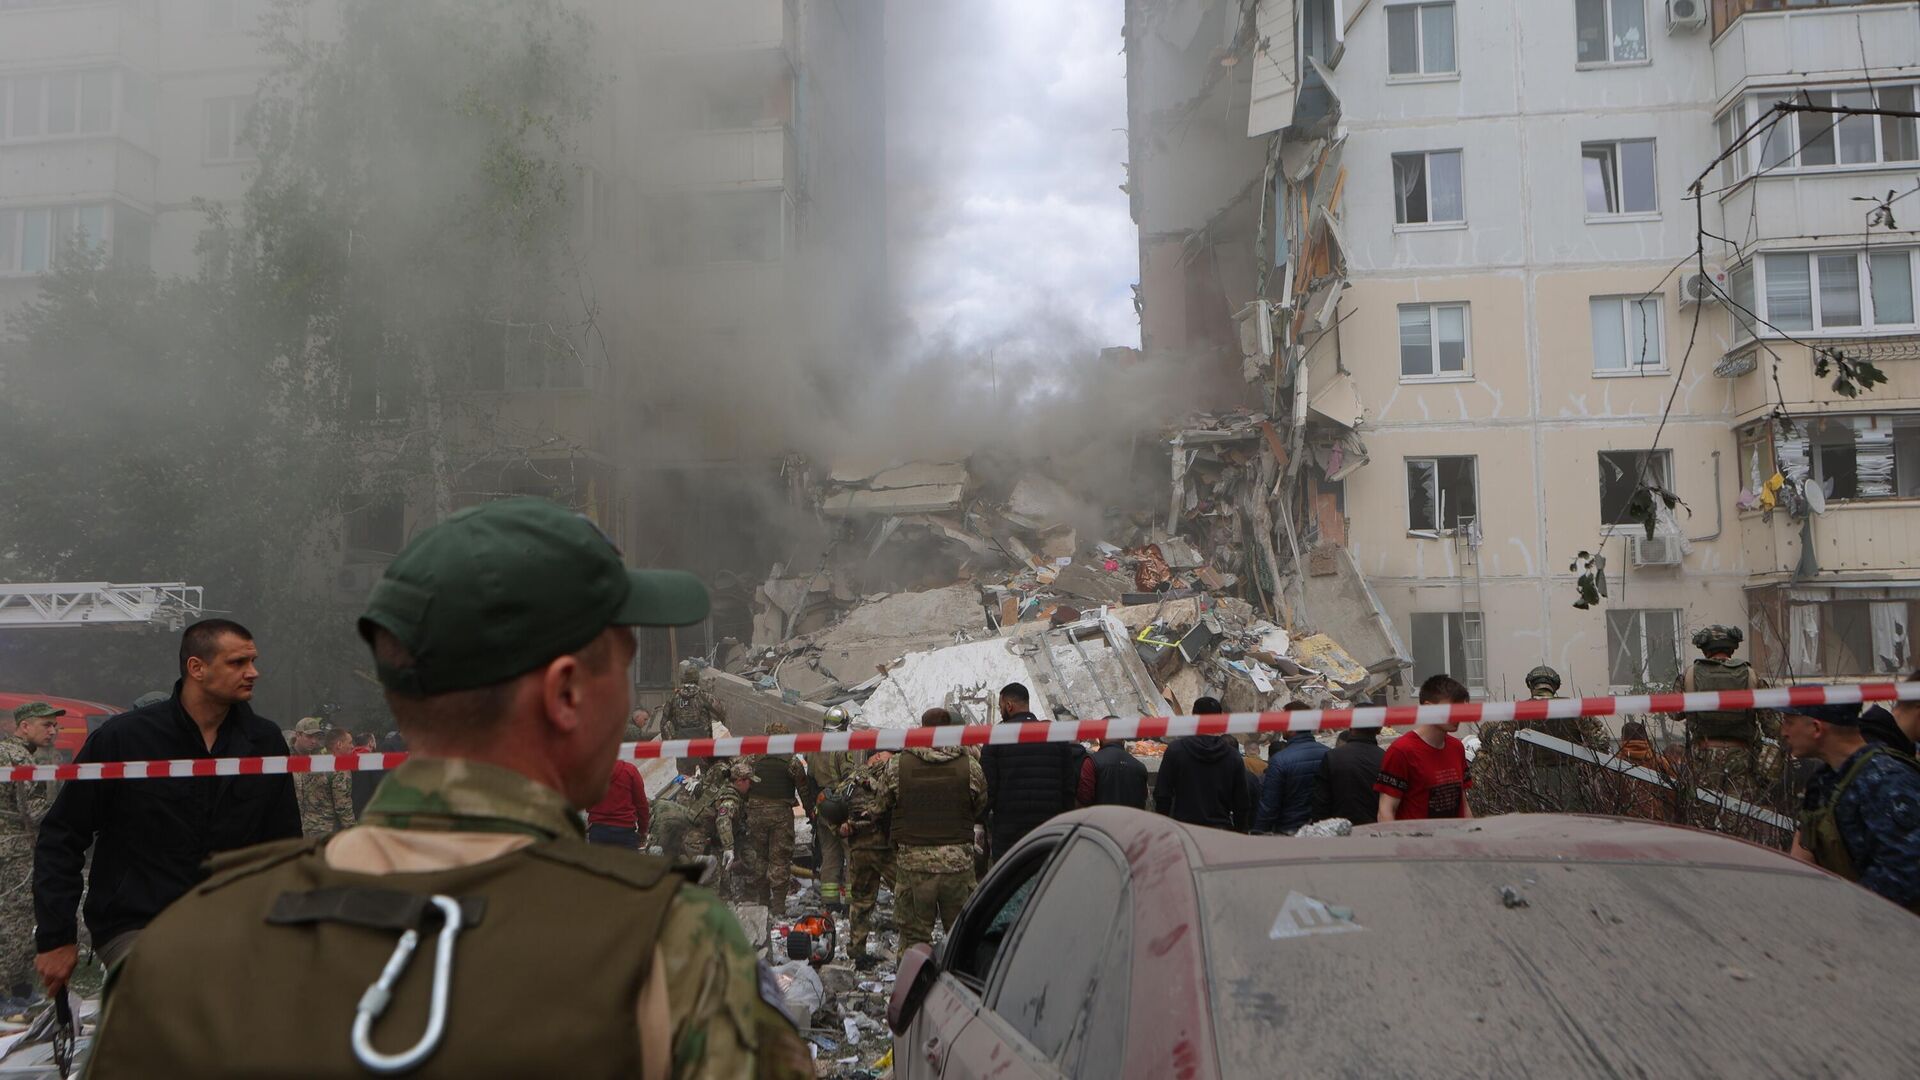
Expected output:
(1443, 643)
(1420, 40)
(226, 16)
(1643, 647)
(1428, 188)
(1619, 177)
(227, 129)
(1626, 334)
(1829, 292)
(1433, 341)
(1852, 637)
(375, 527)
(57, 103)
(1623, 473)
(1865, 457)
(32, 240)
(1322, 31)
(1441, 493)
(1611, 31)
(1740, 289)
(1807, 140)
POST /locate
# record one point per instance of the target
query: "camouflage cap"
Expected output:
(1543, 676)
(35, 709)
(1717, 637)
(312, 725)
(497, 590)
(741, 769)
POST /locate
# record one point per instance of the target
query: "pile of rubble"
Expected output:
(937, 583)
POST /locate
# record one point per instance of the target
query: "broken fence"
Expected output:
(1144, 727)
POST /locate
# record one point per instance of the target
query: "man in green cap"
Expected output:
(503, 637)
(22, 805)
(326, 799)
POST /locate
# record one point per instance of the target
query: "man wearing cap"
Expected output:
(151, 838)
(503, 637)
(22, 806)
(1723, 745)
(772, 793)
(1861, 814)
(326, 799)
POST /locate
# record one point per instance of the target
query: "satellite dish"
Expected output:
(1816, 496)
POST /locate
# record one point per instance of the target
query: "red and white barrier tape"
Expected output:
(1144, 727)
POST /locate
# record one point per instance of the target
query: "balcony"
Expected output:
(675, 26)
(1807, 42)
(75, 169)
(43, 34)
(758, 157)
(1855, 538)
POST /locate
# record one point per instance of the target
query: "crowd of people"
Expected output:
(503, 637)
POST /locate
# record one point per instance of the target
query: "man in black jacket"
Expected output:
(1027, 783)
(1203, 780)
(1344, 786)
(152, 837)
(1119, 778)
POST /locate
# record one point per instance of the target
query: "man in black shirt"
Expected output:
(152, 837)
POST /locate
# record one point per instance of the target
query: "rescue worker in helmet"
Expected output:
(690, 714)
(1724, 746)
(826, 772)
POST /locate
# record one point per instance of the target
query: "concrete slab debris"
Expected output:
(927, 498)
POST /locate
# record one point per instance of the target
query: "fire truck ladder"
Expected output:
(97, 603)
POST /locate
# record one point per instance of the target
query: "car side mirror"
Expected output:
(918, 970)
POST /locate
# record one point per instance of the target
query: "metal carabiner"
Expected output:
(380, 995)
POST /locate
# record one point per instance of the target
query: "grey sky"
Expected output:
(1006, 141)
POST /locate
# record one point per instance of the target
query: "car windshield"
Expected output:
(1546, 969)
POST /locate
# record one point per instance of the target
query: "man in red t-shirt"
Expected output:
(620, 817)
(1424, 774)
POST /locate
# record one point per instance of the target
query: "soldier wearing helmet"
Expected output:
(690, 714)
(1724, 745)
(827, 772)
(1550, 781)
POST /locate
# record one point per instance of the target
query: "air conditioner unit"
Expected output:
(352, 582)
(1655, 551)
(1686, 15)
(1698, 288)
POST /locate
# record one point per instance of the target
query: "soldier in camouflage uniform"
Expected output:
(1724, 747)
(326, 799)
(652, 974)
(690, 714)
(826, 771)
(22, 805)
(1554, 781)
(935, 794)
(869, 854)
(767, 856)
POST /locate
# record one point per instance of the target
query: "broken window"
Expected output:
(1449, 643)
(1643, 647)
(1619, 177)
(1427, 188)
(1623, 472)
(1835, 466)
(1322, 35)
(1852, 637)
(1420, 40)
(374, 527)
(1626, 333)
(1611, 31)
(1433, 340)
(1442, 492)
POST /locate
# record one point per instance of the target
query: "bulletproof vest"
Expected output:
(275, 924)
(1820, 828)
(1721, 723)
(933, 808)
(772, 779)
(687, 717)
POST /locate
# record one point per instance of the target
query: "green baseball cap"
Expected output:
(498, 589)
(312, 725)
(34, 709)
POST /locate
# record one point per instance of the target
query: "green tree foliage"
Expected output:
(405, 239)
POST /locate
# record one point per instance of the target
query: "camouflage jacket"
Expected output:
(946, 858)
(1878, 816)
(326, 802)
(864, 813)
(690, 716)
(22, 805)
(1498, 743)
(722, 1026)
(796, 772)
(715, 804)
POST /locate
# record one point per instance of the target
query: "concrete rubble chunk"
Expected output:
(920, 474)
(924, 499)
(1037, 502)
(877, 633)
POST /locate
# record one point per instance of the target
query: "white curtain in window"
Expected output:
(1444, 186)
(1891, 646)
(1803, 641)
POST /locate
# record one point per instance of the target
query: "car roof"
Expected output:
(1562, 837)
